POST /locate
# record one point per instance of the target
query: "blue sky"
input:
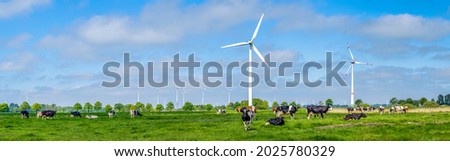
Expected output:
(53, 51)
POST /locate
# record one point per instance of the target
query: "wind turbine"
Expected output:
(229, 95)
(203, 96)
(252, 47)
(353, 62)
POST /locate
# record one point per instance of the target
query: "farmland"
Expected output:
(187, 126)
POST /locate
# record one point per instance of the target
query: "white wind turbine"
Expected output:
(251, 48)
(353, 62)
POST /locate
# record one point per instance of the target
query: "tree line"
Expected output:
(188, 106)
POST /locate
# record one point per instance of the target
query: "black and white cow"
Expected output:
(75, 114)
(46, 114)
(278, 121)
(247, 117)
(111, 113)
(312, 109)
(24, 114)
(350, 109)
(381, 110)
(134, 113)
(354, 116)
(221, 111)
(282, 110)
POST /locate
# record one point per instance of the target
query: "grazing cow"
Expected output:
(75, 114)
(91, 116)
(134, 113)
(111, 113)
(46, 114)
(381, 110)
(247, 117)
(354, 116)
(404, 109)
(221, 111)
(282, 110)
(349, 109)
(24, 114)
(358, 109)
(275, 121)
(392, 109)
(371, 108)
(317, 110)
(364, 109)
(251, 108)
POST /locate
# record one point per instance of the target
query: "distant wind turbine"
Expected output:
(353, 62)
(252, 47)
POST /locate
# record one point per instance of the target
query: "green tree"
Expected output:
(409, 101)
(170, 106)
(129, 107)
(447, 99)
(440, 100)
(400, 102)
(237, 105)
(25, 106)
(87, 106)
(119, 107)
(430, 104)
(139, 106)
(36, 106)
(364, 105)
(188, 106)
(293, 104)
(4, 107)
(108, 108)
(284, 104)
(208, 107)
(244, 103)
(275, 104)
(77, 106)
(149, 107)
(393, 101)
(422, 101)
(97, 105)
(231, 104)
(159, 107)
(329, 102)
(358, 102)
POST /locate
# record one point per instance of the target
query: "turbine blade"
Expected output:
(351, 54)
(257, 28)
(236, 44)
(348, 70)
(357, 62)
(259, 54)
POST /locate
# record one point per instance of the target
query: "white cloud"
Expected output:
(67, 46)
(18, 62)
(18, 40)
(14, 7)
(406, 26)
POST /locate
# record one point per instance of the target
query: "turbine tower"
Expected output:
(353, 62)
(157, 96)
(203, 96)
(252, 47)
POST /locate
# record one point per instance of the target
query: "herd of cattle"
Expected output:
(249, 113)
(48, 114)
(381, 109)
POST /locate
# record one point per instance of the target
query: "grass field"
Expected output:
(211, 126)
